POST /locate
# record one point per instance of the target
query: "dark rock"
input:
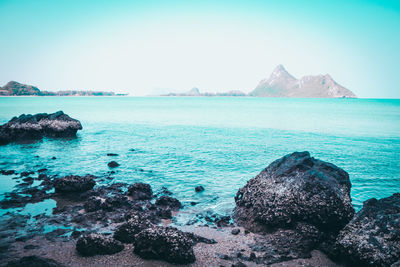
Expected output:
(164, 243)
(53, 158)
(235, 231)
(33, 261)
(113, 164)
(164, 191)
(7, 172)
(112, 154)
(126, 232)
(239, 264)
(96, 244)
(28, 247)
(75, 234)
(199, 239)
(296, 188)
(29, 180)
(372, 237)
(74, 184)
(192, 203)
(140, 191)
(92, 204)
(24, 174)
(42, 170)
(164, 213)
(287, 244)
(199, 188)
(167, 201)
(35, 127)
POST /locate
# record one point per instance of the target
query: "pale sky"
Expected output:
(147, 47)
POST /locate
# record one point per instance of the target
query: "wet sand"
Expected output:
(63, 251)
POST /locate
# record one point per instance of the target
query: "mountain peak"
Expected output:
(194, 91)
(283, 84)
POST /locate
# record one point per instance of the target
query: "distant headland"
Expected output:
(14, 88)
(282, 84)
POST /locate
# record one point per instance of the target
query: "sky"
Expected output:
(152, 47)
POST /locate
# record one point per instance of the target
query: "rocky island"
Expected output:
(14, 88)
(282, 84)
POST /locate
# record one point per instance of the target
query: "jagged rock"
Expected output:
(112, 154)
(33, 261)
(34, 127)
(167, 201)
(296, 188)
(96, 244)
(164, 243)
(127, 231)
(199, 188)
(372, 237)
(74, 184)
(140, 191)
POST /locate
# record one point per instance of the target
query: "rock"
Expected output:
(296, 188)
(25, 174)
(127, 231)
(96, 244)
(113, 164)
(74, 184)
(42, 170)
(199, 188)
(164, 213)
(92, 204)
(53, 158)
(33, 261)
(140, 191)
(235, 231)
(164, 243)
(35, 127)
(372, 237)
(7, 172)
(112, 154)
(239, 264)
(167, 201)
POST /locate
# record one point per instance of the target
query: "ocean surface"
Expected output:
(219, 143)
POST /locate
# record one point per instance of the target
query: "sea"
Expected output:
(216, 142)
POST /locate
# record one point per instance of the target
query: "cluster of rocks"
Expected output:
(34, 127)
(296, 204)
(300, 203)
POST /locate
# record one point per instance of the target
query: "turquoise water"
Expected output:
(219, 143)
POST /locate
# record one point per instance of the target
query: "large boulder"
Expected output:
(96, 244)
(296, 189)
(165, 243)
(168, 202)
(33, 127)
(74, 184)
(372, 238)
(140, 191)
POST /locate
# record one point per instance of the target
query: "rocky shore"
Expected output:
(297, 211)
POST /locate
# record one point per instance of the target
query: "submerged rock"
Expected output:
(199, 188)
(35, 127)
(140, 191)
(296, 188)
(372, 238)
(96, 244)
(33, 261)
(165, 243)
(113, 164)
(74, 184)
